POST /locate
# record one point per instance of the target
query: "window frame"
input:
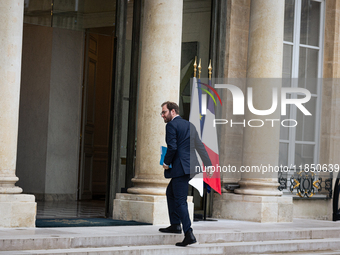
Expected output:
(296, 46)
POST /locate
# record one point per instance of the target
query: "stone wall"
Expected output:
(50, 108)
(330, 122)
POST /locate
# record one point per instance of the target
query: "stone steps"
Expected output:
(216, 237)
(315, 246)
(55, 241)
(305, 253)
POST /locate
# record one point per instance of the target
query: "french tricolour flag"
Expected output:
(209, 139)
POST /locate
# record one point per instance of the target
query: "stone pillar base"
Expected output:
(317, 209)
(253, 208)
(144, 208)
(17, 210)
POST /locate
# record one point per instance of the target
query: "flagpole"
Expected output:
(199, 70)
(195, 65)
(205, 196)
(195, 70)
(205, 190)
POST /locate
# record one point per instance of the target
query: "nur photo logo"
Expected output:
(279, 98)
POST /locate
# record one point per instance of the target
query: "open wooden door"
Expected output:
(96, 114)
(88, 121)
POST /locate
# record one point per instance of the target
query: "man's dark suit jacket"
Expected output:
(182, 140)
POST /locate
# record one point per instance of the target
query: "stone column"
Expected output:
(265, 51)
(159, 82)
(16, 210)
(258, 198)
(330, 133)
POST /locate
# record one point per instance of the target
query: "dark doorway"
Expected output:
(94, 153)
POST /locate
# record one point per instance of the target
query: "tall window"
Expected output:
(302, 66)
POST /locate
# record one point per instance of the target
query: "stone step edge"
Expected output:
(71, 241)
(284, 246)
(325, 252)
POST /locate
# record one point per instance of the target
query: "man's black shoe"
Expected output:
(174, 228)
(188, 239)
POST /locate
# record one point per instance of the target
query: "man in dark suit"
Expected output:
(179, 163)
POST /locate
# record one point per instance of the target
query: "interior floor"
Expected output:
(71, 209)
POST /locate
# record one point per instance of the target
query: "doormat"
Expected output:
(84, 222)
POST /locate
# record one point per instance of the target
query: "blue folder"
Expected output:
(163, 152)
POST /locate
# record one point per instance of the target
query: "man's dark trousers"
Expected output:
(176, 194)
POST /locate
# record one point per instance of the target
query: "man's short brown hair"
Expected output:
(170, 106)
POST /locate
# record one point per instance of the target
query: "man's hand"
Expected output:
(210, 173)
(165, 166)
